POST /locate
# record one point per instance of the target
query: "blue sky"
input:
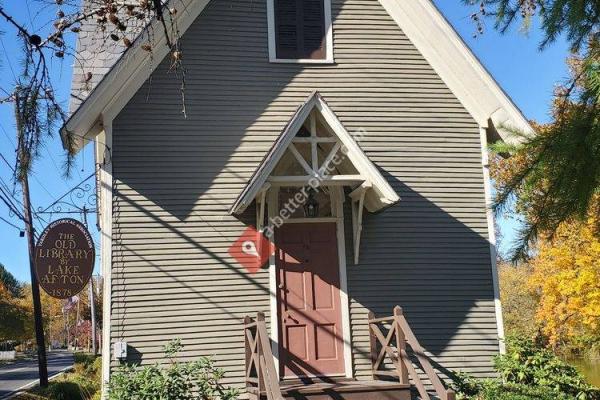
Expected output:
(514, 60)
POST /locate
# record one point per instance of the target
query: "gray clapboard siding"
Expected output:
(175, 179)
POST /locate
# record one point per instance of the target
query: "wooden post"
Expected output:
(93, 315)
(401, 344)
(247, 320)
(35, 289)
(260, 318)
(373, 343)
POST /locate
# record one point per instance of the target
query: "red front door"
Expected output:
(308, 296)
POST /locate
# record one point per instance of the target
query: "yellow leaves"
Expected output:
(518, 303)
(566, 276)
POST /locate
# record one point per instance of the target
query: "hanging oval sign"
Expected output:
(64, 258)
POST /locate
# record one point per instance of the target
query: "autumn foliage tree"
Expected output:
(14, 313)
(566, 276)
(555, 291)
(519, 302)
(553, 176)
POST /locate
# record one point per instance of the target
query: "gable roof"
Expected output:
(380, 193)
(420, 20)
(455, 63)
(96, 52)
(127, 74)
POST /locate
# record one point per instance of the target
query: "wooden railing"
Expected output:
(261, 375)
(383, 345)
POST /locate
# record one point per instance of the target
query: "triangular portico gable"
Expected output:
(315, 149)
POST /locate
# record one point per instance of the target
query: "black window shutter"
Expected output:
(286, 28)
(300, 29)
(313, 27)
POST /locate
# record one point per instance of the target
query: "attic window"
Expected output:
(300, 31)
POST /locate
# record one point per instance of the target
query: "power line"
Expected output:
(56, 165)
(7, 163)
(8, 60)
(9, 198)
(29, 14)
(6, 191)
(11, 224)
(42, 185)
(10, 193)
(33, 175)
(11, 207)
(8, 136)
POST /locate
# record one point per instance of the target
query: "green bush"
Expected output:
(176, 381)
(528, 372)
(494, 389)
(64, 390)
(529, 364)
(84, 358)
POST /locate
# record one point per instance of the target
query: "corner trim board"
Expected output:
(492, 239)
(106, 224)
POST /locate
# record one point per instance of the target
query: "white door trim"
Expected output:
(338, 199)
(338, 209)
(272, 201)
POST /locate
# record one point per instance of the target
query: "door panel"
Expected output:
(308, 296)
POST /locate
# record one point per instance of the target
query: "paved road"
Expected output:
(21, 374)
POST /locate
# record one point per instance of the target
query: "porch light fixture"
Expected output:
(311, 207)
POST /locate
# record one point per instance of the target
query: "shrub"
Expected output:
(64, 390)
(494, 389)
(84, 358)
(529, 372)
(176, 381)
(529, 364)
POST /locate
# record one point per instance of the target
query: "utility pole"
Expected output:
(35, 289)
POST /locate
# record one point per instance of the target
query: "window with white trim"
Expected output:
(300, 31)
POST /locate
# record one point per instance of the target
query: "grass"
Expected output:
(81, 383)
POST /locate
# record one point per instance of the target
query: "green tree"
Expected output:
(10, 282)
(554, 176)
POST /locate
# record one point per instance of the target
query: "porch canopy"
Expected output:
(315, 149)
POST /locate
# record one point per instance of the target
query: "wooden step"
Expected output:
(345, 390)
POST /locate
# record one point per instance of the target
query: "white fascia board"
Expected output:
(128, 74)
(456, 64)
(383, 191)
(273, 156)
